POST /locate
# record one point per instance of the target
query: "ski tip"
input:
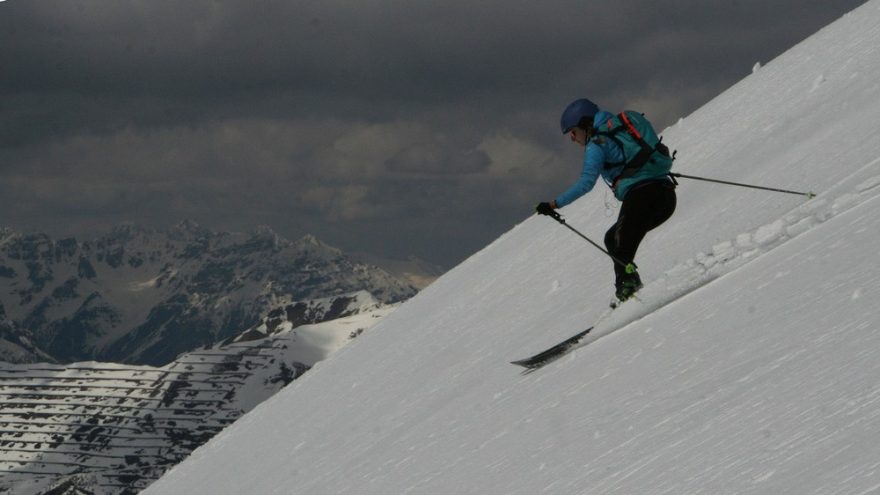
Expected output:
(526, 364)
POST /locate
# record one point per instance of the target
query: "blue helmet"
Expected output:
(575, 112)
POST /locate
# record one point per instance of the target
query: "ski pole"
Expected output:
(809, 195)
(628, 267)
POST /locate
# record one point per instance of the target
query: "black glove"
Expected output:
(545, 209)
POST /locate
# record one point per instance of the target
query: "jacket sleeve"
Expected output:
(594, 160)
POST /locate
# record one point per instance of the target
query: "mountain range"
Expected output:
(143, 296)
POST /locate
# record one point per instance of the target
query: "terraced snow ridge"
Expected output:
(102, 428)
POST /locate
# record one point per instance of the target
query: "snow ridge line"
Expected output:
(730, 255)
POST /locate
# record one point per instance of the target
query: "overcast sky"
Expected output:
(391, 127)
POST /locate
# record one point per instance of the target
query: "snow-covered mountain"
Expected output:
(99, 428)
(763, 376)
(144, 296)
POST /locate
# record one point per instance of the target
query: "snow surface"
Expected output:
(750, 364)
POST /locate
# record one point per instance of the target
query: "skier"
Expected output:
(646, 190)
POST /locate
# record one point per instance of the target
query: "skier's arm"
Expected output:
(594, 160)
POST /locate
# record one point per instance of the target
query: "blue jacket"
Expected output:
(599, 151)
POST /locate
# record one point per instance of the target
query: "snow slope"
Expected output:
(765, 378)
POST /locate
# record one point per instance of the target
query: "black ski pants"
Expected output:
(645, 207)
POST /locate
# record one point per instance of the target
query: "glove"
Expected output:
(545, 209)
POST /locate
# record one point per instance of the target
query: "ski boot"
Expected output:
(627, 285)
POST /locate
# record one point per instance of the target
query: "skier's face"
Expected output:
(578, 136)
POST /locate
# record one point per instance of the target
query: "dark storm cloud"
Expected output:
(388, 126)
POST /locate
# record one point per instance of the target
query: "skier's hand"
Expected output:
(545, 209)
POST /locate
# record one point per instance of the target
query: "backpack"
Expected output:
(645, 156)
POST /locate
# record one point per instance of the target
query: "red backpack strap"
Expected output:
(629, 127)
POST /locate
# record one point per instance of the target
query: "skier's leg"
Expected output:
(612, 240)
(643, 209)
(619, 241)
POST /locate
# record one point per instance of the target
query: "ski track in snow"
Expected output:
(730, 255)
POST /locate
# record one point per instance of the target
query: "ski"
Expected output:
(557, 351)
(551, 354)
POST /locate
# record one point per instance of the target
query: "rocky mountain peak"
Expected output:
(144, 296)
(187, 230)
(311, 243)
